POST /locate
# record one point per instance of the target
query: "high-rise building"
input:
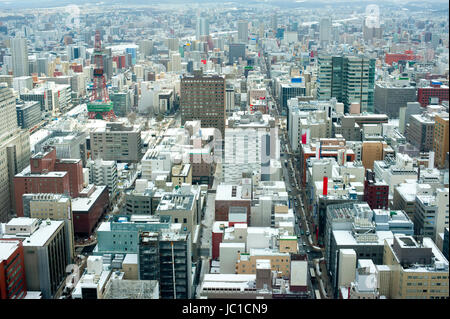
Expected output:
(166, 257)
(202, 27)
(440, 142)
(372, 151)
(12, 269)
(53, 207)
(388, 99)
(274, 22)
(325, 30)
(434, 94)
(117, 142)
(44, 243)
(420, 131)
(242, 31)
(46, 174)
(19, 53)
(376, 193)
(28, 114)
(236, 51)
(403, 254)
(145, 48)
(347, 78)
(203, 98)
(14, 150)
(104, 173)
(250, 145)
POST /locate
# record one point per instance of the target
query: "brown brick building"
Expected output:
(202, 97)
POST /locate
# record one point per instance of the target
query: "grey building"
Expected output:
(350, 125)
(202, 97)
(445, 244)
(166, 257)
(121, 102)
(67, 145)
(405, 112)
(236, 51)
(420, 131)
(137, 203)
(388, 99)
(347, 78)
(117, 142)
(28, 114)
(46, 253)
(288, 91)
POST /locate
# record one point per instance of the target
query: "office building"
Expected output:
(68, 144)
(236, 51)
(182, 209)
(420, 131)
(434, 94)
(122, 102)
(441, 140)
(181, 174)
(251, 144)
(337, 78)
(88, 209)
(202, 28)
(279, 262)
(145, 48)
(418, 270)
(242, 31)
(28, 114)
(12, 269)
(431, 214)
(325, 28)
(44, 243)
(104, 173)
(405, 112)
(376, 193)
(117, 142)
(166, 257)
(350, 126)
(389, 98)
(19, 54)
(230, 196)
(207, 107)
(46, 174)
(14, 151)
(372, 151)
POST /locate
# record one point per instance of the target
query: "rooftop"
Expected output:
(41, 236)
(84, 204)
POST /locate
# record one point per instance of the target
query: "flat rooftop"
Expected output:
(84, 204)
(40, 237)
(7, 248)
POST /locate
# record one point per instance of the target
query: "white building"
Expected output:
(228, 256)
(103, 173)
(251, 146)
(19, 54)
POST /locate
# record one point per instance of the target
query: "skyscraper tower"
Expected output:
(100, 106)
(325, 31)
(347, 78)
(203, 98)
(19, 54)
(242, 31)
(202, 27)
